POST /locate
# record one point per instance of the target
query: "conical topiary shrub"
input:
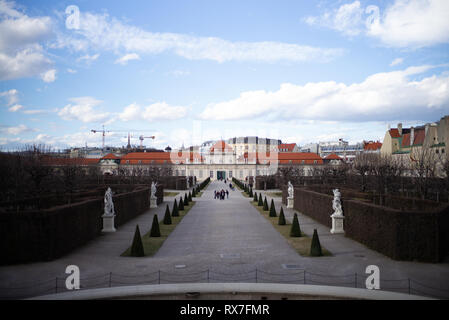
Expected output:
(190, 197)
(155, 231)
(193, 193)
(137, 245)
(255, 199)
(181, 204)
(272, 209)
(281, 220)
(251, 192)
(260, 202)
(315, 247)
(265, 205)
(186, 200)
(167, 217)
(295, 230)
(175, 211)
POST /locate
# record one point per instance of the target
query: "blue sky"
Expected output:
(189, 71)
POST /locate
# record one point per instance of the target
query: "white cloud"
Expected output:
(49, 76)
(100, 32)
(11, 96)
(35, 111)
(71, 71)
(88, 58)
(15, 108)
(14, 130)
(21, 55)
(403, 24)
(83, 109)
(153, 112)
(346, 19)
(381, 96)
(179, 73)
(127, 57)
(396, 62)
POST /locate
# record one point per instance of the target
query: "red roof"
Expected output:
(333, 156)
(110, 156)
(221, 146)
(394, 133)
(160, 157)
(372, 145)
(420, 134)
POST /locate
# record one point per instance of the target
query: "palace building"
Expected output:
(221, 160)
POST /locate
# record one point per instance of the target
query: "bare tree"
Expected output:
(424, 168)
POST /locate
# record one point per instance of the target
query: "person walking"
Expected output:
(227, 194)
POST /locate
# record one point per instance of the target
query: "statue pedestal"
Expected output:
(337, 223)
(290, 203)
(108, 223)
(153, 203)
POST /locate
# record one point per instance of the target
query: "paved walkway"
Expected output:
(226, 236)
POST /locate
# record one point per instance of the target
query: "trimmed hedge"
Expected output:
(49, 234)
(400, 235)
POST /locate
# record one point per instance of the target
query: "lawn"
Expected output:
(170, 194)
(301, 244)
(150, 244)
(274, 194)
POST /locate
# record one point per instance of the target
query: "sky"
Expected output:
(191, 71)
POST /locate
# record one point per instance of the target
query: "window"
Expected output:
(211, 174)
(230, 174)
(437, 151)
(241, 173)
(200, 173)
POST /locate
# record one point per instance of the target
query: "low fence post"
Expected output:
(355, 279)
(409, 287)
(56, 285)
(110, 279)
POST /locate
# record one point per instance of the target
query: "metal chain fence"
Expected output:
(57, 285)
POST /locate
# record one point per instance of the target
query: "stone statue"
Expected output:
(153, 190)
(290, 190)
(108, 204)
(336, 203)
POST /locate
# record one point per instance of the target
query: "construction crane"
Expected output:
(103, 132)
(141, 138)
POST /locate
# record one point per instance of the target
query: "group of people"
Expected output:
(221, 194)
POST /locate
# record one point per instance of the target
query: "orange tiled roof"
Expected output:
(333, 156)
(110, 156)
(372, 146)
(394, 133)
(160, 157)
(221, 146)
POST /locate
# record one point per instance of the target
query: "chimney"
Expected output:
(412, 136)
(400, 128)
